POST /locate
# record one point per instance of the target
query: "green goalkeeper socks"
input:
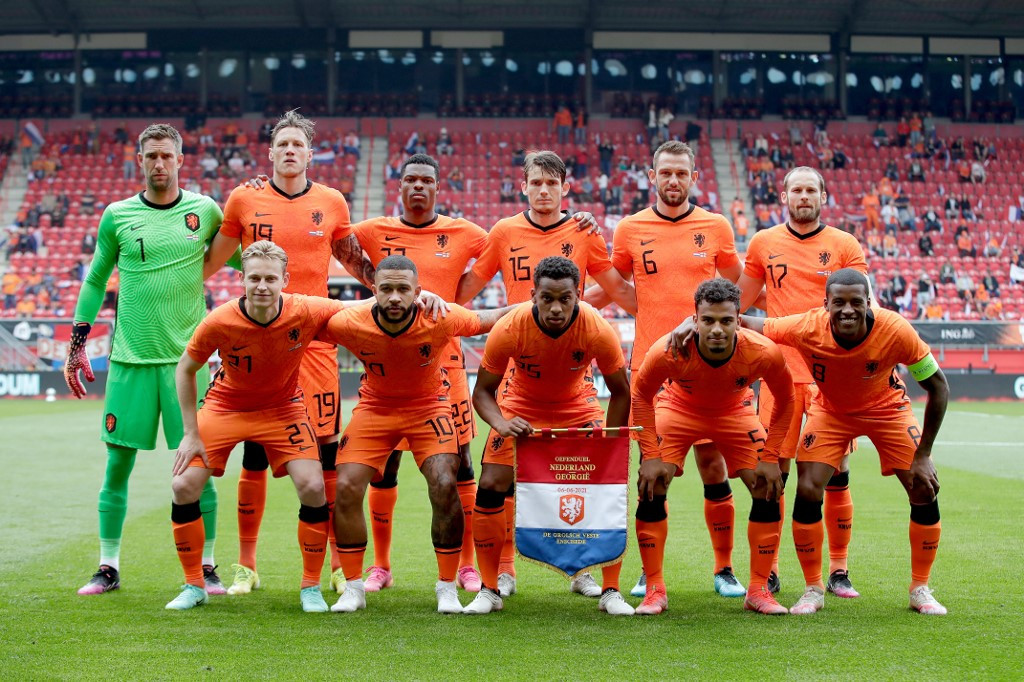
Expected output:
(113, 502)
(208, 507)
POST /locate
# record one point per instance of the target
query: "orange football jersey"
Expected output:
(441, 250)
(305, 226)
(515, 245)
(404, 367)
(546, 367)
(858, 380)
(697, 387)
(260, 362)
(668, 258)
(794, 268)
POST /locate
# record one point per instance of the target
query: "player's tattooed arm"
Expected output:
(191, 444)
(488, 318)
(922, 470)
(349, 253)
(487, 407)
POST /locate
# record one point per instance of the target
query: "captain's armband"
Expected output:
(924, 368)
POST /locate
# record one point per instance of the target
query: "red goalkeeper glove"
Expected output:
(78, 359)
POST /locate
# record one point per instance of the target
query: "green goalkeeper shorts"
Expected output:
(137, 397)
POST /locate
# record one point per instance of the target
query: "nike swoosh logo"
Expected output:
(645, 243)
(390, 239)
(364, 353)
(321, 425)
(526, 357)
(774, 256)
(304, 448)
(261, 215)
(239, 347)
(817, 357)
(446, 440)
(137, 227)
(518, 248)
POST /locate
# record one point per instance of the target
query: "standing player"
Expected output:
(668, 250)
(310, 221)
(262, 339)
(552, 341)
(441, 247)
(514, 246)
(157, 240)
(853, 352)
(791, 262)
(705, 397)
(404, 395)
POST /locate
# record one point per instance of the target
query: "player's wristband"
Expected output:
(924, 368)
(79, 335)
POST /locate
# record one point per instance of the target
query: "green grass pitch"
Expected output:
(53, 463)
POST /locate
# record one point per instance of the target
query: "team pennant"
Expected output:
(571, 499)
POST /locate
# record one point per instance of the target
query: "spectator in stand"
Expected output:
(990, 283)
(444, 143)
(964, 206)
(413, 143)
(89, 242)
(925, 244)
(899, 285)
(350, 145)
(925, 292)
(890, 247)
(128, 161)
(993, 310)
(952, 207)
(915, 172)
(651, 122)
(958, 149)
(563, 123)
(946, 273)
(892, 171)
(10, 285)
(236, 166)
(582, 159)
(932, 223)
(965, 245)
(457, 180)
(87, 203)
(870, 204)
(664, 121)
(507, 191)
(605, 154)
(886, 298)
(874, 241)
(963, 169)
(964, 285)
(742, 226)
(904, 211)
(759, 191)
(935, 311)
(586, 189)
(890, 216)
(978, 174)
(579, 129)
(26, 307)
(916, 137)
(993, 249)
(602, 188)
(880, 138)
(796, 136)
(902, 132)
(209, 164)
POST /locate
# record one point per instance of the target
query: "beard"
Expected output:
(805, 214)
(673, 202)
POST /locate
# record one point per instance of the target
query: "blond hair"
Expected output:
(293, 119)
(265, 250)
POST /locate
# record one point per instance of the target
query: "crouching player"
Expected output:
(852, 351)
(552, 341)
(404, 395)
(704, 399)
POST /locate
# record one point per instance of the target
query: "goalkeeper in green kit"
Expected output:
(157, 239)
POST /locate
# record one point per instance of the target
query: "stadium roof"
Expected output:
(977, 18)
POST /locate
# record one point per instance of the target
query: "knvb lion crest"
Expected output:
(192, 221)
(571, 508)
(578, 355)
(110, 423)
(425, 350)
(343, 443)
(567, 249)
(442, 241)
(497, 442)
(293, 335)
(809, 440)
(824, 257)
(318, 217)
(741, 382)
(871, 367)
(699, 240)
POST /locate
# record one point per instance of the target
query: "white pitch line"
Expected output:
(995, 444)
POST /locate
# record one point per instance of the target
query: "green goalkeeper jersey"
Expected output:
(159, 252)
